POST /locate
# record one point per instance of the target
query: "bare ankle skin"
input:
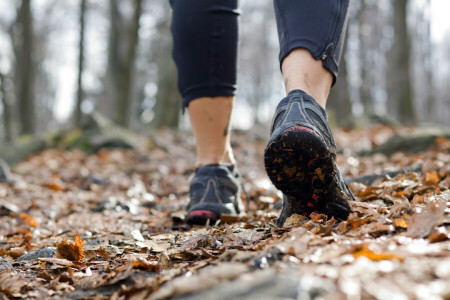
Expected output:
(210, 120)
(301, 71)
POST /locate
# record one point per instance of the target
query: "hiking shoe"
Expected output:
(214, 190)
(300, 160)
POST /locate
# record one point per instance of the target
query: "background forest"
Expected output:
(63, 60)
(93, 194)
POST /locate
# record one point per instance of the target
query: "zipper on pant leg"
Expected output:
(325, 54)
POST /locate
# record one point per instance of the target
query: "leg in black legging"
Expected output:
(205, 37)
(300, 157)
(311, 35)
(318, 26)
(205, 44)
(205, 34)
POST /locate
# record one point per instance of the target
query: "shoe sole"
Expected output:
(300, 165)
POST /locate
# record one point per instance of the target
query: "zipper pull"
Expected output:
(325, 53)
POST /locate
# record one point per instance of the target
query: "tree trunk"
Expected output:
(25, 69)
(7, 113)
(366, 68)
(399, 83)
(125, 76)
(80, 92)
(339, 98)
(431, 96)
(167, 106)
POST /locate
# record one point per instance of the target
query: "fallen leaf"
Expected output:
(151, 266)
(355, 223)
(71, 250)
(422, 223)
(318, 218)
(431, 178)
(54, 186)
(363, 250)
(27, 219)
(400, 223)
(438, 236)
(228, 219)
(295, 220)
(56, 261)
(16, 252)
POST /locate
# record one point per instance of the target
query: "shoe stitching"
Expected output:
(208, 185)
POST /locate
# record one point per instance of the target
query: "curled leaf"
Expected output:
(71, 250)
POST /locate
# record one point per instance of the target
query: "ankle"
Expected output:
(226, 158)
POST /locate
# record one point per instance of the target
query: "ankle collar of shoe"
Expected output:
(211, 167)
(305, 97)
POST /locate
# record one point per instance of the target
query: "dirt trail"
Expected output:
(111, 224)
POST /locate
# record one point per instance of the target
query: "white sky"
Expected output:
(440, 19)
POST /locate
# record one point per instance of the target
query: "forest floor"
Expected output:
(111, 225)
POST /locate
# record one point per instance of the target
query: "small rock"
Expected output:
(5, 172)
(34, 255)
(5, 266)
(264, 261)
(113, 204)
(8, 208)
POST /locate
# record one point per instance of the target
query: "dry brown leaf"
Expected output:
(16, 252)
(27, 219)
(318, 218)
(438, 236)
(11, 284)
(71, 250)
(364, 250)
(295, 220)
(228, 219)
(358, 222)
(431, 178)
(400, 223)
(56, 261)
(26, 242)
(422, 223)
(54, 186)
(151, 266)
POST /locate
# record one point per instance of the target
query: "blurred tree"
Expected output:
(399, 89)
(259, 70)
(123, 42)
(339, 99)
(7, 111)
(167, 106)
(428, 68)
(80, 92)
(22, 36)
(367, 12)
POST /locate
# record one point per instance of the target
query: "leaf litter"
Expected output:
(111, 225)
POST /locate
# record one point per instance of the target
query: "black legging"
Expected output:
(205, 40)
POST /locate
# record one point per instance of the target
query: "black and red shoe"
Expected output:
(214, 190)
(300, 160)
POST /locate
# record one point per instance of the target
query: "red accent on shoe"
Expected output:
(309, 204)
(300, 128)
(315, 197)
(312, 160)
(205, 214)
